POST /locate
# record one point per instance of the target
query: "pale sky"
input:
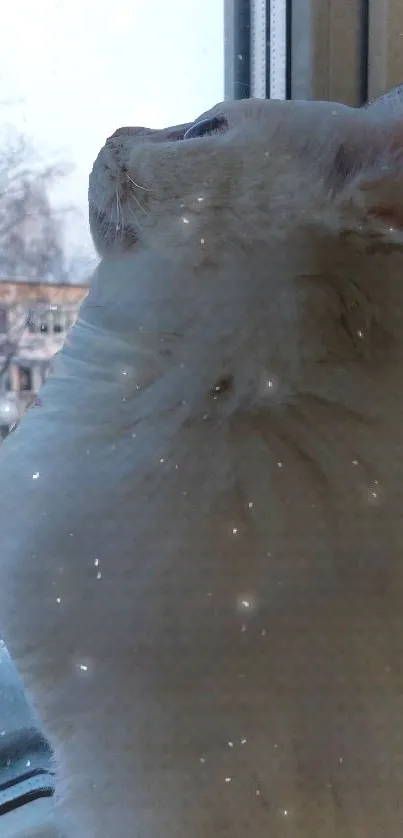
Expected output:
(82, 68)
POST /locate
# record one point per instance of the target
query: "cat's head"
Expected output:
(256, 161)
(301, 201)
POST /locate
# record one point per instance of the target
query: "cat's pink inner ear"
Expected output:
(380, 185)
(371, 161)
(384, 197)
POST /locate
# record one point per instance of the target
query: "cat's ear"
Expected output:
(389, 104)
(368, 167)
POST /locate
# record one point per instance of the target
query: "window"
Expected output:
(31, 323)
(3, 320)
(184, 77)
(343, 50)
(72, 76)
(24, 377)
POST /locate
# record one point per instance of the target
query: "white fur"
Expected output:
(202, 589)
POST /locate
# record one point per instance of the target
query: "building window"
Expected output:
(3, 321)
(24, 378)
(6, 381)
(31, 323)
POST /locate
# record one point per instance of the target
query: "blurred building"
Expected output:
(34, 320)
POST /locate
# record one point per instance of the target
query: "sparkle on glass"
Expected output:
(234, 530)
(99, 574)
(279, 464)
(202, 241)
(96, 562)
(83, 667)
(203, 760)
(245, 603)
(28, 763)
(230, 744)
(360, 333)
(35, 475)
(250, 505)
(243, 741)
(185, 220)
(161, 459)
(228, 779)
(58, 599)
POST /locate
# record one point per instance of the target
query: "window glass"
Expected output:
(24, 378)
(70, 75)
(3, 320)
(55, 116)
(57, 112)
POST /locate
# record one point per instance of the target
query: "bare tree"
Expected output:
(31, 242)
(31, 230)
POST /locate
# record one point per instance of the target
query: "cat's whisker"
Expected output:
(133, 214)
(137, 185)
(119, 226)
(144, 211)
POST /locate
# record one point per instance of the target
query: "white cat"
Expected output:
(201, 526)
